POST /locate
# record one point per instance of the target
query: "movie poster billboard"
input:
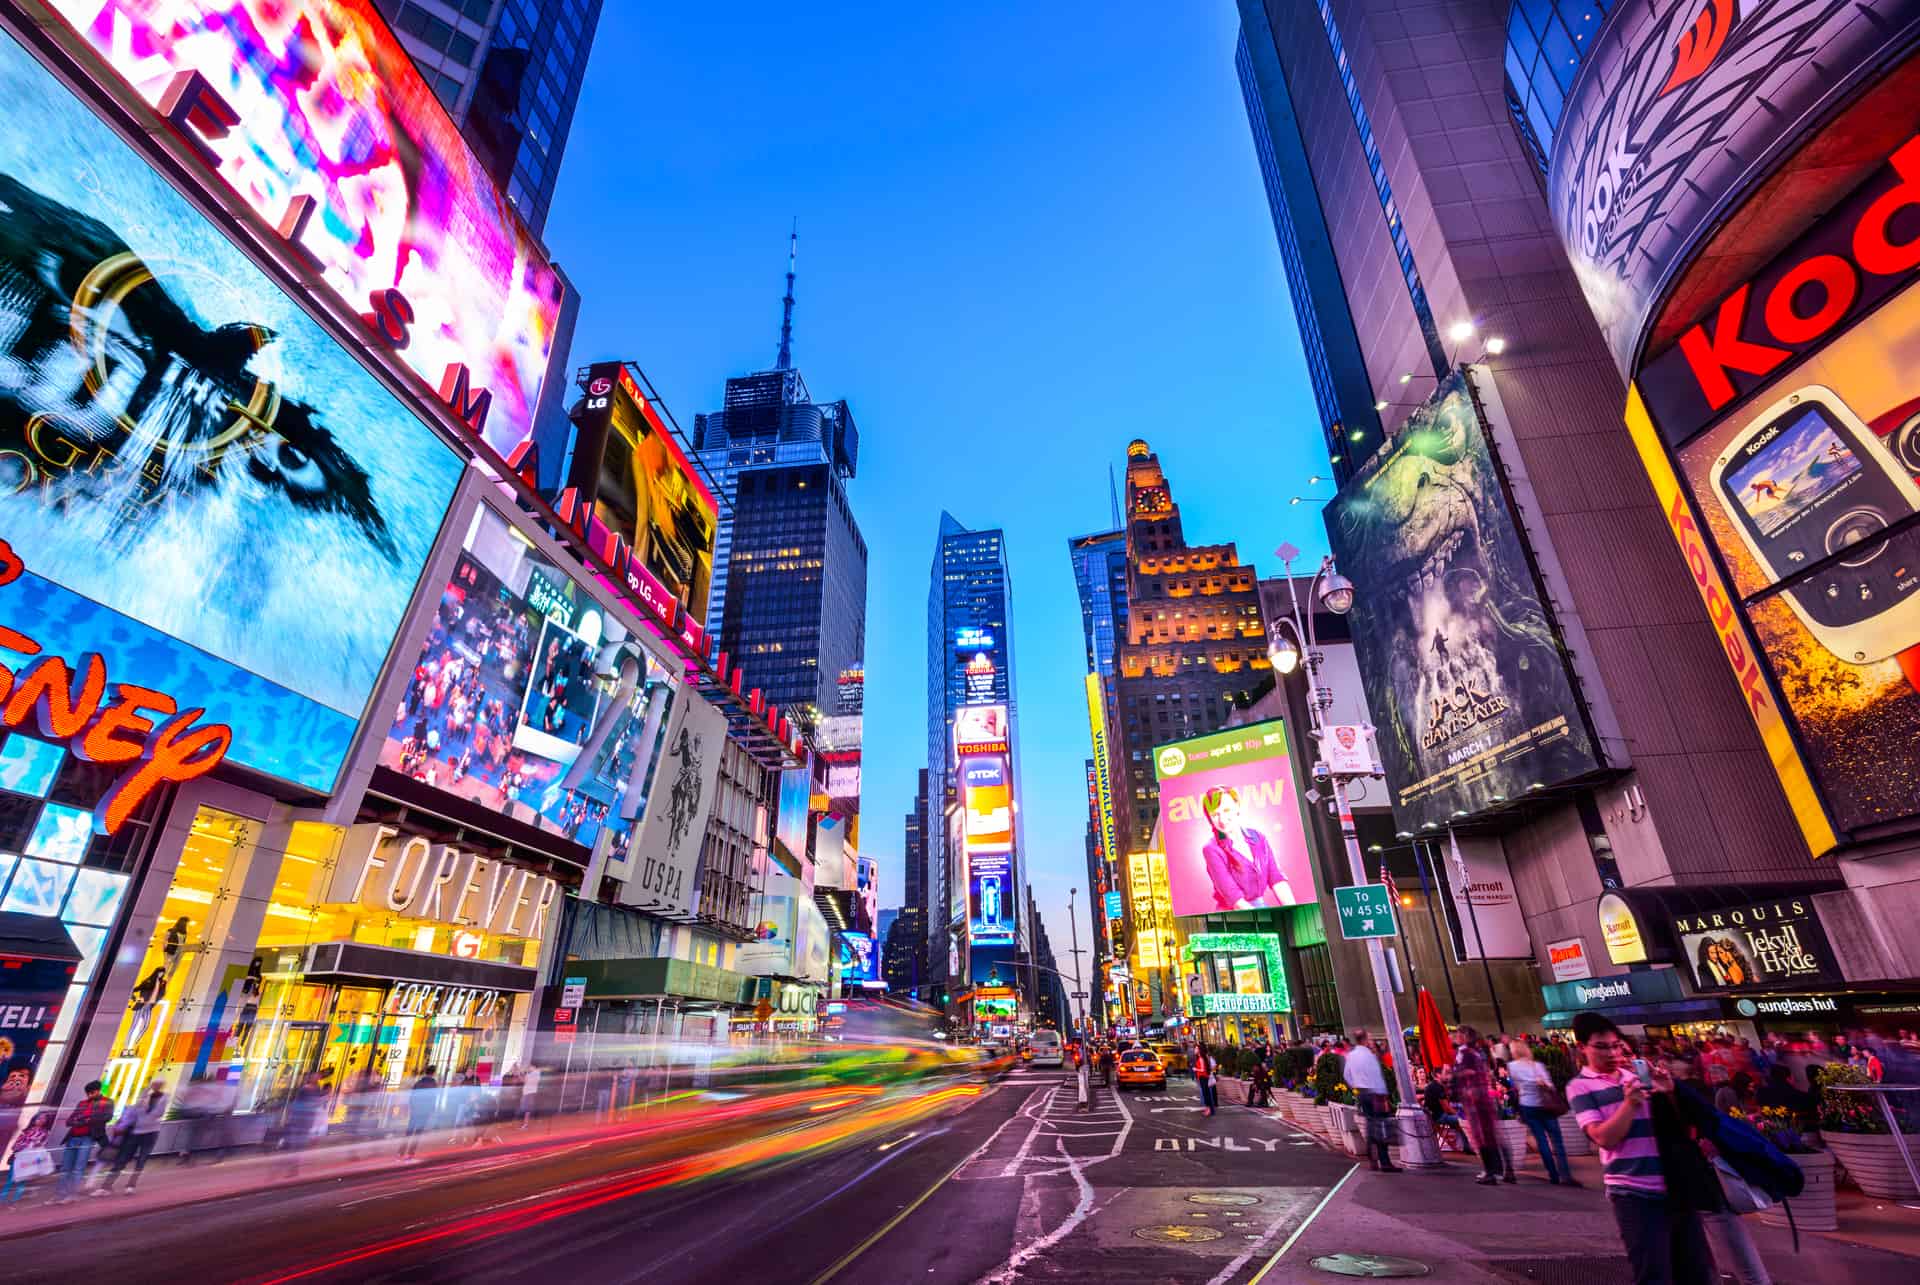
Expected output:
(1678, 105)
(1789, 416)
(642, 486)
(206, 490)
(1230, 822)
(312, 115)
(1762, 945)
(1464, 671)
(507, 707)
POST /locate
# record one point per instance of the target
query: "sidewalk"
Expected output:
(169, 1183)
(1532, 1231)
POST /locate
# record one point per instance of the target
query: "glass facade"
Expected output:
(1402, 247)
(225, 1001)
(1100, 576)
(1336, 370)
(795, 608)
(1547, 40)
(969, 616)
(509, 72)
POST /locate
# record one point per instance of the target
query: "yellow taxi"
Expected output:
(1171, 1057)
(1140, 1068)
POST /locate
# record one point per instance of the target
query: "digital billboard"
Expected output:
(311, 114)
(208, 491)
(981, 729)
(1153, 929)
(790, 823)
(1231, 826)
(642, 486)
(1676, 107)
(986, 787)
(1463, 668)
(991, 897)
(1789, 418)
(859, 961)
(504, 703)
(867, 871)
(770, 952)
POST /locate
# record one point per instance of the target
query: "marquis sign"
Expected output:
(1759, 945)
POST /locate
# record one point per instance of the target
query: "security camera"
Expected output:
(1321, 772)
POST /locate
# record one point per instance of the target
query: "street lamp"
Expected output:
(1335, 593)
(1283, 649)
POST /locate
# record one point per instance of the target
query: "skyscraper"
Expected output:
(1403, 149)
(509, 71)
(1100, 577)
(790, 564)
(970, 664)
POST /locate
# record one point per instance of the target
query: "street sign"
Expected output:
(1365, 911)
(1079, 995)
(1120, 973)
(574, 993)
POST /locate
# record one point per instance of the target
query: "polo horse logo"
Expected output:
(684, 801)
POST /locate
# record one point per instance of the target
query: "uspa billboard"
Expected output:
(311, 114)
(1462, 665)
(642, 486)
(508, 707)
(1230, 822)
(1679, 106)
(208, 491)
(1789, 418)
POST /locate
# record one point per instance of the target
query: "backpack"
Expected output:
(1746, 1150)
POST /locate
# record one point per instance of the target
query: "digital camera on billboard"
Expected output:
(1805, 483)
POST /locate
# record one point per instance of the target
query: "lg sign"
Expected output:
(1852, 261)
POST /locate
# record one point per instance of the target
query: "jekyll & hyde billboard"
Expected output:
(1464, 670)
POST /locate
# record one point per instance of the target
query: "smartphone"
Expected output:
(1644, 1069)
(1806, 483)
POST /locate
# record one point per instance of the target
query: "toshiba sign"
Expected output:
(1844, 267)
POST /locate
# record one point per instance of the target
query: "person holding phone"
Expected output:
(1612, 1098)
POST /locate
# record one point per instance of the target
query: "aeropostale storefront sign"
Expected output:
(384, 868)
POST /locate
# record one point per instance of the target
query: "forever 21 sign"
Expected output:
(383, 869)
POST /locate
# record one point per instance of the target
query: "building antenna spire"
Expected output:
(785, 360)
(1113, 494)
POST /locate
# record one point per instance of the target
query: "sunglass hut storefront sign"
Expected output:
(1765, 944)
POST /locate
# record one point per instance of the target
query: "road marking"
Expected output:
(1218, 1144)
(847, 1259)
(888, 1146)
(1305, 1223)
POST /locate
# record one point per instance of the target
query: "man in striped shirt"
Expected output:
(1666, 1243)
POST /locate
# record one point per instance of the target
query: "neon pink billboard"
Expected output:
(311, 113)
(1230, 822)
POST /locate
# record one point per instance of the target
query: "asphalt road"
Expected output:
(1011, 1184)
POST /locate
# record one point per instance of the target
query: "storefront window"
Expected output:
(224, 996)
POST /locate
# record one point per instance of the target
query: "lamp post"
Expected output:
(1335, 592)
(1077, 1007)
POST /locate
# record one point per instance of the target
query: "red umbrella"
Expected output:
(1436, 1050)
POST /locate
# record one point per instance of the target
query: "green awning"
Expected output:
(614, 979)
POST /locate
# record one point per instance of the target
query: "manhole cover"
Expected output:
(1176, 1234)
(1375, 1265)
(1222, 1198)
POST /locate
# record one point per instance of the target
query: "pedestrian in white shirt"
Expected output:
(1367, 1078)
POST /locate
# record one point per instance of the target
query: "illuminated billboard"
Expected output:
(981, 729)
(992, 899)
(1230, 823)
(312, 115)
(1782, 432)
(1102, 770)
(790, 823)
(641, 485)
(206, 489)
(1153, 932)
(510, 709)
(859, 961)
(987, 792)
(1463, 667)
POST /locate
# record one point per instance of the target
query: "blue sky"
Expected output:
(1028, 234)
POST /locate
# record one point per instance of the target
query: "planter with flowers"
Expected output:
(1854, 1129)
(1812, 1208)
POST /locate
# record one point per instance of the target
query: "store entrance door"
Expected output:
(454, 1052)
(299, 1051)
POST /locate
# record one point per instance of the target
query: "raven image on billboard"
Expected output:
(208, 483)
(1462, 667)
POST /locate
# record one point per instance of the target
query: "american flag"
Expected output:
(1393, 889)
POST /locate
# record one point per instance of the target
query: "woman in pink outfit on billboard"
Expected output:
(1239, 859)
